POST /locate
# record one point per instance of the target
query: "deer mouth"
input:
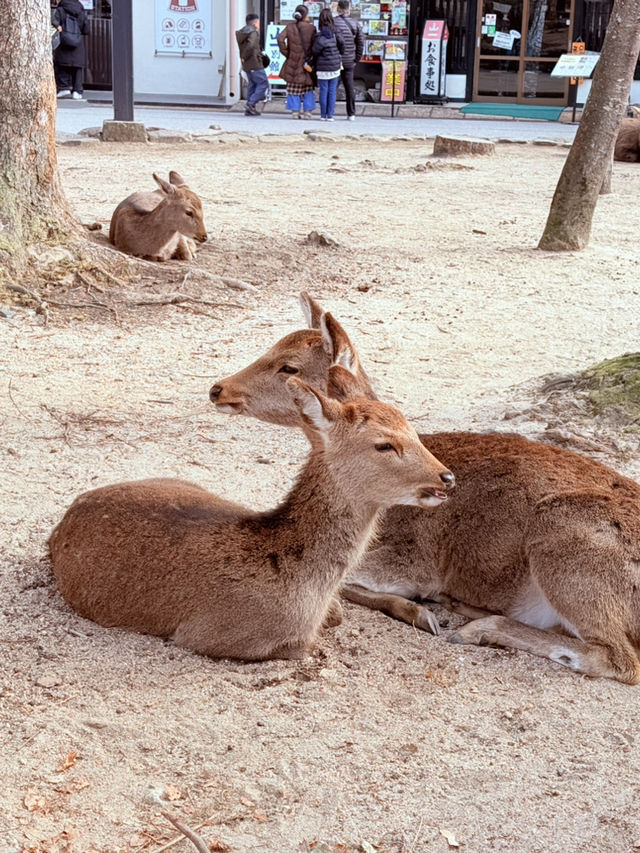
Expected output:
(431, 497)
(230, 408)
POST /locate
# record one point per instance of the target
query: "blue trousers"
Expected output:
(306, 102)
(328, 89)
(258, 85)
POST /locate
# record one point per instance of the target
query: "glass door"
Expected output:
(517, 46)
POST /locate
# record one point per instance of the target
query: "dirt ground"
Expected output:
(387, 739)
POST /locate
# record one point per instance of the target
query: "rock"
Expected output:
(451, 146)
(321, 238)
(48, 680)
(95, 132)
(71, 140)
(170, 137)
(123, 131)
(153, 796)
(96, 723)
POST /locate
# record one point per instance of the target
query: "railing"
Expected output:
(98, 71)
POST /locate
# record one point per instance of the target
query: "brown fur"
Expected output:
(167, 557)
(627, 147)
(160, 225)
(532, 533)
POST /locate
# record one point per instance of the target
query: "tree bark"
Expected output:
(569, 223)
(32, 204)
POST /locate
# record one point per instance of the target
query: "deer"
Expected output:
(166, 557)
(627, 145)
(161, 224)
(539, 547)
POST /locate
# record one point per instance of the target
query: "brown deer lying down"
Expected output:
(166, 557)
(160, 225)
(543, 537)
(627, 147)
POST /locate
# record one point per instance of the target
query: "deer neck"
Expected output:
(156, 221)
(321, 526)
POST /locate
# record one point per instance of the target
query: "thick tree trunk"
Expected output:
(32, 205)
(569, 224)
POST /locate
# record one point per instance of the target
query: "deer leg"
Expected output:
(460, 607)
(393, 605)
(591, 658)
(185, 249)
(333, 616)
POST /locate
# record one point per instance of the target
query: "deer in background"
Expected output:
(533, 539)
(166, 557)
(160, 225)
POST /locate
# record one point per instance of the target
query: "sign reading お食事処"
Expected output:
(183, 26)
(433, 59)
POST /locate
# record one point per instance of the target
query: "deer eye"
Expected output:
(189, 212)
(383, 448)
(287, 368)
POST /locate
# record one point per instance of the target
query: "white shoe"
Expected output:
(64, 93)
(351, 118)
(330, 118)
(77, 96)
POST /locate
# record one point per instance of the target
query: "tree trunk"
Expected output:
(32, 204)
(569, 224)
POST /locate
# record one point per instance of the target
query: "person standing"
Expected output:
(69, 58)
(248, 39)
(351, 34)
(327, 48)
(295, 42)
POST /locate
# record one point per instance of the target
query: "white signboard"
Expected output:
(183, 26)
(433, 59)
(576, 64)
(504, 41)
(273, 52)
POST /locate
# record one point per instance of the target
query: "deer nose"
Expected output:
(215, 392)
(447, 478)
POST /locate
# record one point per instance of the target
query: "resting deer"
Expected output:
(533, 537)
(160, 225)
(166, 557)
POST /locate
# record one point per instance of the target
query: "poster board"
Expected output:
(576, 64)
(273, 52)
(183, 27)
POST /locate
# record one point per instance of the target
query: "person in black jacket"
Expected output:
(69, 58)
(251, 57)
(327, 48)
(351, 34)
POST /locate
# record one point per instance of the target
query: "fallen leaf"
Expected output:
(451, 839)
(68, 762)
(259, 816)
(217, 846)
(171, 793)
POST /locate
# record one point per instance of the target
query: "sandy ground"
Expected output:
(388, 739)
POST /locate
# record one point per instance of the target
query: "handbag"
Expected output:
(266, 61)
(55, 38)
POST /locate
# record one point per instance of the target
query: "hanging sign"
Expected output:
(394, 77)
(433, 78)
(183, 26)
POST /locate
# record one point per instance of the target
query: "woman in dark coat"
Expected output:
(328, 48)
(69, 58)
(295, 43)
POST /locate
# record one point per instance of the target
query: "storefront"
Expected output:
(496, 51)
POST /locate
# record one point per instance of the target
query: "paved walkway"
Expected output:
(74, 116)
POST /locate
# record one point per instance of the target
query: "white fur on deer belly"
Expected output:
(170, 246)
(533, 608)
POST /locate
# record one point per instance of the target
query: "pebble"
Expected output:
(48, 680)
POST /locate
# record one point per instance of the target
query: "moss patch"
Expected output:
(613, 387)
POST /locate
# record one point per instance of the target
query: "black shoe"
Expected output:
(251, 111)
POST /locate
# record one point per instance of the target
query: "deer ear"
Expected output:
(317, 412)
(176, 179)
(337, 344)
(166, 187)
(311, 310)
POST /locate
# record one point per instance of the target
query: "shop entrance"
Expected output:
(518, 43)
